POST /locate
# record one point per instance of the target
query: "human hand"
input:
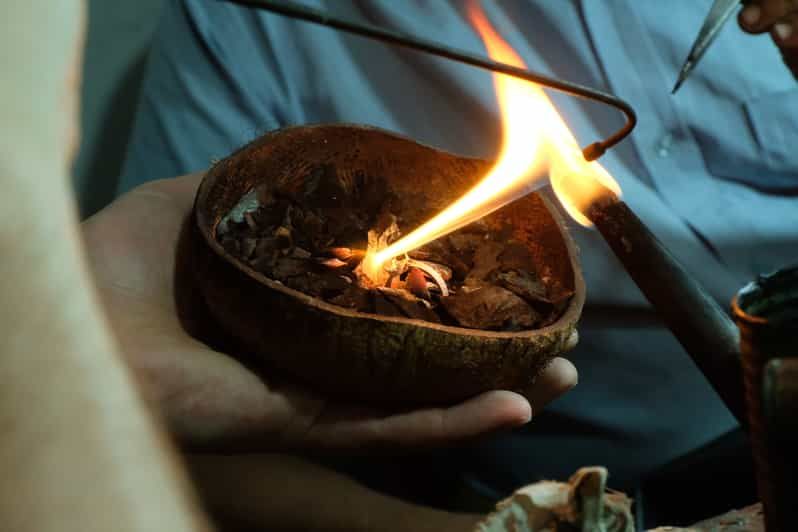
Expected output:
(780, 18)
(210, 399)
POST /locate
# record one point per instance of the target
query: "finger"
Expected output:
(760, 16)
(785, 33)
(785, 36)
(207, 399)
(558, 377)
(487, 412)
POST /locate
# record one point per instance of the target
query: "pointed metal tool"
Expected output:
(717, 18)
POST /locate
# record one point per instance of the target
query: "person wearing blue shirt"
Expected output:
(712, 170)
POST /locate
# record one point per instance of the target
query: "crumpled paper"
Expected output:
(582, 504)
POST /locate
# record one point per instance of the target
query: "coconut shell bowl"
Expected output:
(335, 183)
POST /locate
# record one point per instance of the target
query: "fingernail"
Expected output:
(527, 416)
(751, 15)
(783, 30)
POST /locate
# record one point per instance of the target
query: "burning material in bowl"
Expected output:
(314, 240)
(282, 226)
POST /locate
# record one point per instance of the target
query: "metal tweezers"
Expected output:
(717, 18)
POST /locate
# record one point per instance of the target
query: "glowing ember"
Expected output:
(536, 142)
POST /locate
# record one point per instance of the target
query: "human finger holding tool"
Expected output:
(780, 19)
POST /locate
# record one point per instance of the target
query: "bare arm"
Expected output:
(281, 492)
(79, 451)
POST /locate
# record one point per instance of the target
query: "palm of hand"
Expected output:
(210, 399)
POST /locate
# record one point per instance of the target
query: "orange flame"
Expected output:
(536, 142)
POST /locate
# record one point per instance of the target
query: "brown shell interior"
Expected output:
(423, 179)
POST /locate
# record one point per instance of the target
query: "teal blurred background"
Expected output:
(118, 38)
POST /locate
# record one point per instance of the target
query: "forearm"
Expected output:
(281, 492)
(78, 451)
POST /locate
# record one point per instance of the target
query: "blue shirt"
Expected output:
(712, 170)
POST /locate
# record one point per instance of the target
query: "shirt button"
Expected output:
(664, 146)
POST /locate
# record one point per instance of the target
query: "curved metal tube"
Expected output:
(590, 152)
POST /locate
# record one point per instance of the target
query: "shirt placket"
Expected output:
(666, 145)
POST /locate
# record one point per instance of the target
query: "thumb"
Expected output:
(556, 379)
(785, 36)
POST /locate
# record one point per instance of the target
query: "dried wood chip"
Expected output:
(282, 237)
(326, 286)
(267, 218)
(289, 267)
(438, 272)
(288, 217)
(354, 297)
(311, 235)
(248, 245)
(415, 311)
(266, 246)
(345, 227)
(381, 238)
(486, 259)
(250, 221)
(524, 284)
(419, 254)
(341, 253)
(333, 263)
(384, 307)
(441, 252)
(264, 194)
(247, 203)
(491, 307)
(346, 254)
(464, 242)
(433, 272)
(231, 244)
(264, 263)
(409, 306)
(416, 283)
(333, 284)
(311, 227)
(299, 253)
